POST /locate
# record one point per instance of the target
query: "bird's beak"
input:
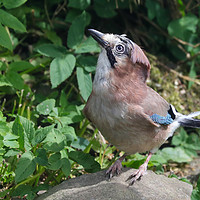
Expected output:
(98, 36)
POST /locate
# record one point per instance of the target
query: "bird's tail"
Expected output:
(189, 121)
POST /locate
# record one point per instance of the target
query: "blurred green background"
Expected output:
(47, 63)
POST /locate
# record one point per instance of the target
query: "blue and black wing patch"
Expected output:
(164, 120)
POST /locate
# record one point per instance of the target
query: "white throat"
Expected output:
(101, 78)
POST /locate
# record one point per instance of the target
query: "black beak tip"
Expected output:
(98, 36)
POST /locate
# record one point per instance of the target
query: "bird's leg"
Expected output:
(141, 171)
(116, 167)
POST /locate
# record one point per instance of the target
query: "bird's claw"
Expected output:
(116, 168)
(137, 175)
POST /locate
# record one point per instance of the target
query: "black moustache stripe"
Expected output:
(111, 57)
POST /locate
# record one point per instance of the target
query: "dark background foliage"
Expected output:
(47, 62)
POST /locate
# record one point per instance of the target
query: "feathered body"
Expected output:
(121, 104)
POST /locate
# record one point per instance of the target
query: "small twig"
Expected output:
(188, 5)
(47, 14)
(59, 8)
(186, 43)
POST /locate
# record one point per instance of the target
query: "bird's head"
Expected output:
(121, 54)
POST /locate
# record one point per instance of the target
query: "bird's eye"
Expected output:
(120, 48)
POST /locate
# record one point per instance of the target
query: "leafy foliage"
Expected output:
(47, 63)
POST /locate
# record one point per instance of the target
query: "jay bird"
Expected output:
(128, 113)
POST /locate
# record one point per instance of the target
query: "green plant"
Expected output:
(47, 62)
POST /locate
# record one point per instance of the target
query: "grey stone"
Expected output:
(97, 187)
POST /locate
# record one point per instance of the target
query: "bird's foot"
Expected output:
(116, 168)
(138, 174)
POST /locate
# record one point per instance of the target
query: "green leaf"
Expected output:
(29, 131)
(51, 50)
(4, 81)
(80, 143)
(79, 4)
(53, 37)
(20, 66)
(69, 133)
(72, 14)
(41, 157)
(11, 144)
(15, 79)
(41, 134)
(5, 39)
(104, 8)
(89, 45)
(13, 4)
(180, 138)
(55, 141)
(55, 162)
(25, 167)
(61, 68)
(9, 20)
(177, 154)
(76, 30)
(12, 152)
(4, 129)
(88, 62)
(84, 159)
(46, 106)
(152, 8)
(66, 166)
(84, 83)
(18, 130)
(182, 27)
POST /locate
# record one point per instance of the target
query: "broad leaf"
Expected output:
(76, 30)
(5, 39)
(15, 79)
(46, 106)
(79, 4)
(9, 20)
(53, 37)
(41, 134)
(25, 167)
(29, 132)
(41, 157)
(182, 27)
(84, 159)
(20, 66)
(55, 141)
(13, 4)
(84, 83)
(18, 130)
(105, 9)
(51, 50)
(4, 81)
(80, 143)
(55, 161)
(89, 45)
(61, 68)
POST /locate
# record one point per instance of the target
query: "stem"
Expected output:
(14, 106)
(87, 149)
(23, 108)
(3, 104)
(20, 102)
(28, 113)
(84, 128)
(30, 179)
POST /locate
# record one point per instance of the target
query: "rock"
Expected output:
(96, 187)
